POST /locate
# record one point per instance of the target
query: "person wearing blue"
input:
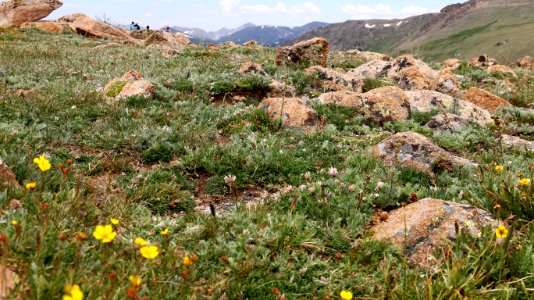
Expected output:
(132, 26)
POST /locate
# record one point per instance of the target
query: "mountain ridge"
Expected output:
(503, 24)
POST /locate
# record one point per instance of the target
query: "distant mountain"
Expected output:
(270, 35)
(201, 34)
(502, 28)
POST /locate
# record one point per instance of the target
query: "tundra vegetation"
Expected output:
(189, 194)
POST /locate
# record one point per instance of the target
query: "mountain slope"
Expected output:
(499, 27)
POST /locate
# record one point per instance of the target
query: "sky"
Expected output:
(215, 14)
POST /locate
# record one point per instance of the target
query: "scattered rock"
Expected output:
(500, 69)
(251, 44)
(446, 123)
(482, 62)
(341, 81)
(413, 150)
(448, 82)
(90, 27)
(513, 141)
(427, 101)
(366, 56)
(413, 74)
(129, 85)
(7, 177)
(314, 52)
(452, 63)
(167, 38)
(14, 13)
(49, 27)
(253, 68)
(485, 99)
(526, 62)
(279, 89)
(294, 112)
(424, 226)
(372, 69)
(378, 106)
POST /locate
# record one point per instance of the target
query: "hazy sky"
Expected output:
(214, 14)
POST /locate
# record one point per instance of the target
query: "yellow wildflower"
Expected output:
(524, 181)
(104, 233)
(149, 252)
(165, 232)
(114, 221)
(187, 261)
(345, 295)
(73, 292)
(14, 222)
(31, 186)
(42, 163)
(499, 168)
(501, 232)
(135, 280)
(140, 242)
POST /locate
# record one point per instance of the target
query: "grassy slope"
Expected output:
(305, 245)
(503, 33)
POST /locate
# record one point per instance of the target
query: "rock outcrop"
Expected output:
(250, 67)
(14, 13)
(525, 62)
(294, 113)
(129, 85)
(500, 69)
(90, 27)
(339, 80)
(422, 227)
(366, 56)
(166, 38)
(483, 61)
(378, 106)
(413, 150)
(446, 123)
(49, 27)
(485, 99)
(427, 101)
(313, 52)
(7, 177)
(409, 73)
(514, 141)
(452, 63)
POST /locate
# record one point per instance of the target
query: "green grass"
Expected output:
(151, 162)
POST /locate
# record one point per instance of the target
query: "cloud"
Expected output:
(229, 7)
(380, 11)
(235, 8)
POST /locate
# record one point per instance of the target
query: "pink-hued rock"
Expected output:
(378, 106)
(294, 112)
(14, 13)
(422, 227)
(413, 150)
(485, 99)
(129, 85)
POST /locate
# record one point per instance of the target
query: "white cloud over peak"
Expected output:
(236, 8)
(380, 11)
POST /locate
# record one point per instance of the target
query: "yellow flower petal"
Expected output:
(140, 242)
(345, 295)
(149, 252)
(114, 221)
(501, 232)
(135, 280)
